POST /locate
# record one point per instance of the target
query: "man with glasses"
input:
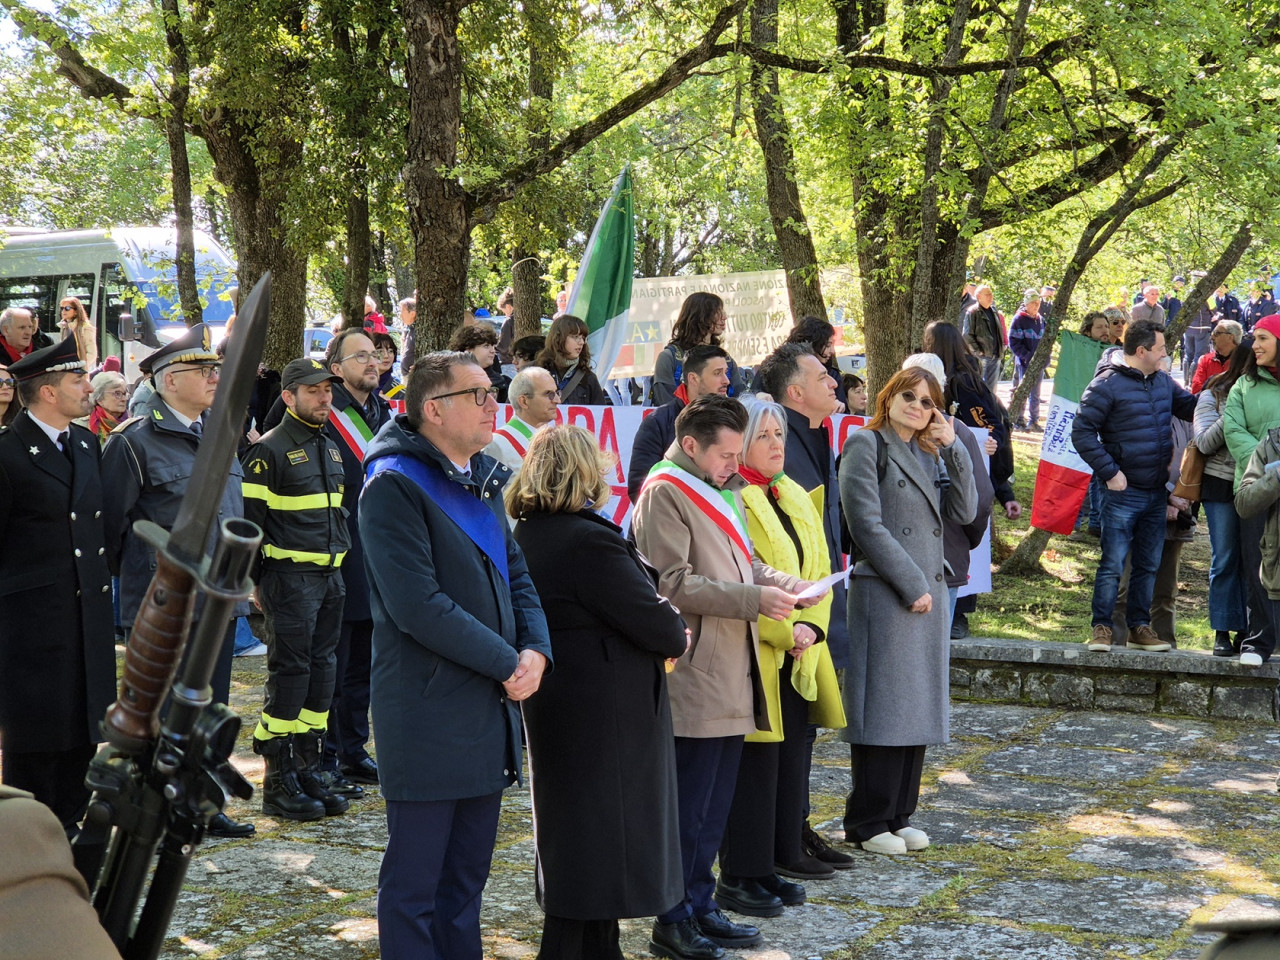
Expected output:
(534, 396)
(146, 467)
(460, 640)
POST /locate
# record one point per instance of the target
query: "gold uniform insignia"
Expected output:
(297, 456)
(335, 455)
(257, 465)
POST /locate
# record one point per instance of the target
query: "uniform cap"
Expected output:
(192, 347)
(62, 357)
(306, 372)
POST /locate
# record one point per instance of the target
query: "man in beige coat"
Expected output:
(44, 905)
(688, 522)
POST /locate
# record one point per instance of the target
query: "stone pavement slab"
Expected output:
(1057, 836)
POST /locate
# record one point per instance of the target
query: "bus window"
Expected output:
(37, 295)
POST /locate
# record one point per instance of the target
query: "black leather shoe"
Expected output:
(366, 771)
(223, 826)
(336, 783)
(718, 928)
(1222, 646)
(960, 626)
(803, 868)
(745, 895)
(791, 894)
(682, 941)
(816, 846)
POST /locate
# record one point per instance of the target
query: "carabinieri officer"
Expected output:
(293, 489)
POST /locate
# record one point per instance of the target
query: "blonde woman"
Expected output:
(601, 746)
(767, 818)
(74, 322)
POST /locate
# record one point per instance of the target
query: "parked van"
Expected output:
(123, 272)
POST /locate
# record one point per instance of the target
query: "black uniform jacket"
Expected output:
(57, 642)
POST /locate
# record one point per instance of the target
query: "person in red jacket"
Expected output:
(1226, 336)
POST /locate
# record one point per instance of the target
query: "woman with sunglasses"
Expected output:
(901, 476)
(9, 405)
(74, 322)
(568, 359)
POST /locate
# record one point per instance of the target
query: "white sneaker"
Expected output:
(1250, 659)
(913, 838)
(258, 650)
(884, 843)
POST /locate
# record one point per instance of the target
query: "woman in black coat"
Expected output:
(601, 749)
(567, 358)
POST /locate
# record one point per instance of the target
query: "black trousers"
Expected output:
(886, 789)
(771, 795)
(565, 939)
(55, 777)
(349, 713)
(1262, 630)
(304, 617)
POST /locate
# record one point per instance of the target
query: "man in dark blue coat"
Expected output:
(459, 639)
(706, 370)
(1123, 430)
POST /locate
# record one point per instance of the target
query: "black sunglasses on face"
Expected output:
(909, 397)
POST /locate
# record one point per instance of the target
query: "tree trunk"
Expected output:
(256, 204)
(773, 132)
(175, 129)
(527, 283)
(378, 274)
(1198, 295)
(356, 278)
(401, 269)
(1025, 560)
(438, 210)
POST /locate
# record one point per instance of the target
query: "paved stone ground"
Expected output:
(1058, 836)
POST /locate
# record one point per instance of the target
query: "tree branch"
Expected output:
(1198, 295)
(484, 202)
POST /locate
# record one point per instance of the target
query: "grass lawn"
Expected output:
(1055, 606)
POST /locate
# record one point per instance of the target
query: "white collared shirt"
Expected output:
(51, 432)
(184, 420)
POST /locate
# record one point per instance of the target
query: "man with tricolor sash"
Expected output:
(358, 413)
(293, 490)
(534, 397)
(688, 521)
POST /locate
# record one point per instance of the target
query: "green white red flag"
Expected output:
(601, 293)
(1063, 477)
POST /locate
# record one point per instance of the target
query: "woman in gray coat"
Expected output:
(900, 477)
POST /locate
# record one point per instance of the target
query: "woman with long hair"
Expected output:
(702, 320)
(901, 476)
(568, 359)
(601, 748)
(74, 322)
(9, 405)
(1228, 593)
(766, 820)
(1252, 409)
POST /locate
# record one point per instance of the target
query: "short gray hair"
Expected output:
(522, 384)
(931, 362)
(757, 410)
(103, 382)
(10, 314)
(1231, 327)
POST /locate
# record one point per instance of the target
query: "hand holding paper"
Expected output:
(819, 587)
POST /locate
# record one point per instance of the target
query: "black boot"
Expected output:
(308, 748)
(282, 795)
(682, 941)
(1222, 646)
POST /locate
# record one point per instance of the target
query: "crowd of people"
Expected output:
(425, 569)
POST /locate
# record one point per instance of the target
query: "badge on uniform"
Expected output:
(335, 455)
(297, 456)
(257, 465)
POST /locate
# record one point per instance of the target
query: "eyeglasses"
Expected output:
(479, 394)
(8, 382)
(207, 371)
(576, 336)
(110, 393)
(910, 398)
(67, 308)
(550, 394)
(364, 356)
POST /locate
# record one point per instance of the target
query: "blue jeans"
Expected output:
(1131, 520)
(1033, 398)
(1228, 595)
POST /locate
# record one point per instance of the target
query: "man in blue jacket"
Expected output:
(1123, 430)
(459, 639)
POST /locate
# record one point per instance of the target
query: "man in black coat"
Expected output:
(706, 370)
(459, 639)
(57, 645)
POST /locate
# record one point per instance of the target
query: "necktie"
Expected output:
(197, 427)
(64, 441)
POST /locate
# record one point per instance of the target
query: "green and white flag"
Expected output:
(601, 293)
(1063, 477)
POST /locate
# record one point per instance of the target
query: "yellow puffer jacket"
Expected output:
(773, 546)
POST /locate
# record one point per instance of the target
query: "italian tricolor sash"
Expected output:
(355, 433)
(719, 506)
(517, 433)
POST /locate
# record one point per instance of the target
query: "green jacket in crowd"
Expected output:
(1253, 408)
(1259, 490)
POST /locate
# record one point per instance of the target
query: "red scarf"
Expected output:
(102, 423)
(13, 352)
(758, 479)
(682, 394)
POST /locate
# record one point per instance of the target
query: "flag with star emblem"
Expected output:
(601, 293)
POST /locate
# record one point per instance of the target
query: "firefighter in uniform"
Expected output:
(57, 649)
(146, 466)
(294, 484)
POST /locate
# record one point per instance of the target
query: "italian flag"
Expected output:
(601, 293)
(1063, 477)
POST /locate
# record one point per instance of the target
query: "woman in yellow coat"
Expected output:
(765, 822)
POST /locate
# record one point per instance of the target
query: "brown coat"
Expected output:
(44, 906)
(716, 689)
